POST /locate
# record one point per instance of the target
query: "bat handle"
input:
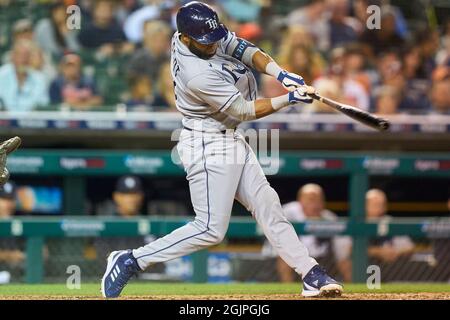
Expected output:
(316, 96)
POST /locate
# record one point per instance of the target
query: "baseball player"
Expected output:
(215, 90)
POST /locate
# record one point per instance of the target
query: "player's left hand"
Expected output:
(290, 81)
(6, 148)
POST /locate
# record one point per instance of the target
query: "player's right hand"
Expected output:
(301, 95)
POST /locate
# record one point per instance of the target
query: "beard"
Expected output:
(200, 54)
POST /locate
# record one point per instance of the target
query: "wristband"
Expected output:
(280, 102)
(273, 69)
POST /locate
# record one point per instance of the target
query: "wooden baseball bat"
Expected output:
(355, 113)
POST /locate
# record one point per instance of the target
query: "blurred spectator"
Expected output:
(141, 93)
(387, 100)
(417, 84)
(11, 249)
(298, 55)
(377, 41)
(39, 60)
(313, 18)
(440, 97)
(23, 89)
(155, 50)
(128, 196)
(386, 249)
(296, 36)
(52, 33)
(360, 11)
(412, 62)
(166, 93)
(352, 92)
(442, 69)
(443, 55)
(391, 252)
(376, 204)
(125, 9)
(103, 32)
(428, 42)
(304, 61)
(8, 203)
(310, 205)
(134, 23)
(389, 70)
(22, 30)
(343, 29)
(441, 72)
(72, 87)
(355, 64)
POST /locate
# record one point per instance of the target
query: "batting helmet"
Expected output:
(200, 22)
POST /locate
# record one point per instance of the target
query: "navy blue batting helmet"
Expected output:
(200, 22)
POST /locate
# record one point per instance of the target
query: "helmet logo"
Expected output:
(212, 24)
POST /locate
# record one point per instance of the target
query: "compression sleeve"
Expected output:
(242, 109)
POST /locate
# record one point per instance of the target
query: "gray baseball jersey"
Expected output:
(204, 89)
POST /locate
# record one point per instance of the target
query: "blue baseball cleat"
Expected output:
(119, 270)
(317, 283)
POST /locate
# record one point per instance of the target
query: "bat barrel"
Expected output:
(384, 125)
(355, 113)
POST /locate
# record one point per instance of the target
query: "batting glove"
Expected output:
(301, 95)
(290, 81)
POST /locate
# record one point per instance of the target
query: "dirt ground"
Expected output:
(347, 296)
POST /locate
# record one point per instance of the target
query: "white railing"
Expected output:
(117, 120)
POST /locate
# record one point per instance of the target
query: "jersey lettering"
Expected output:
(234, 72)
(176, 67)
(240, 49)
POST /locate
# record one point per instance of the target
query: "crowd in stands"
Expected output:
(120, 54)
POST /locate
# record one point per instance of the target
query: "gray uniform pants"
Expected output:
(220, 168)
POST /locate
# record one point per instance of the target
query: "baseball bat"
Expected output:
(355, 113)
